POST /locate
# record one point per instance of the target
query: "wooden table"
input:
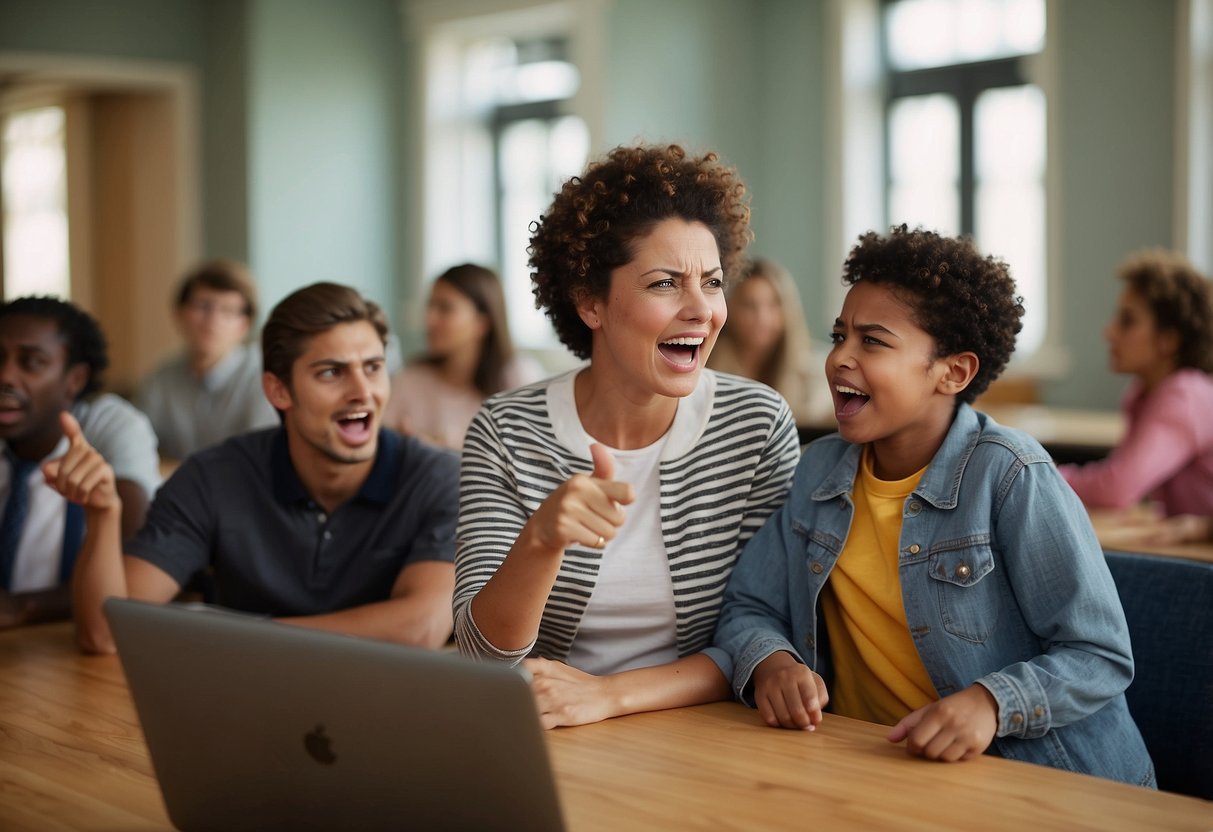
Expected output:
(72, 757)
(1121, 532)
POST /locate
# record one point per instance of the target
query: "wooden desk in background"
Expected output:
(72, 757)
(1069, 435)
(1121, 532)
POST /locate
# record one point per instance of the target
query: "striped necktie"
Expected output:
(15, 510)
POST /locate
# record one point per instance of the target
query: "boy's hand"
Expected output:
(957, 727)
(788, 694)
(81, 475)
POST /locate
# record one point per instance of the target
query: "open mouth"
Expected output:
(850, 400)
(10, 410)
(681, 351)
(355, 427)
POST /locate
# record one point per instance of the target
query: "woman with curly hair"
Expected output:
(601, 511)
(930, 563)
(1162, 335)
(767, 339)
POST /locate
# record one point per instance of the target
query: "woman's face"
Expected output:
(756, 316)
(1135, 344)
(664, 309)
(452, 322)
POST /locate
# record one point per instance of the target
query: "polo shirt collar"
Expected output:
(378, 487)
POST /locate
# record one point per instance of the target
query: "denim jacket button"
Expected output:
(1039, 712)
(816, 568)
(1017, 718)
(963, 571)
(915, 549)
(915, 507)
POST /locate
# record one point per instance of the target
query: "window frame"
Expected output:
(964, 83)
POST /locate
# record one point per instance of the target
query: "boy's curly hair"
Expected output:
(965, 301)
(594, 220)
(1180, 299)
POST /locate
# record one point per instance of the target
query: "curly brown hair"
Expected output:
(1179, 298)
(593, 222)
(965, 301)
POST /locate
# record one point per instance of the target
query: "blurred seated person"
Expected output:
(469, 357)
(52, 355)
(212, 390)
(767, 339)
(327, 521)
(1161, 335)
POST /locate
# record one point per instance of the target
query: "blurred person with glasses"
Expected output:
(212, 389)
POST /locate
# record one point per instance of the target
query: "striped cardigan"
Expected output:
(726, 467)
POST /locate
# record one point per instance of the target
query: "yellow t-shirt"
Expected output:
(878, 675)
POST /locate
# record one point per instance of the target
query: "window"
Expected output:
(536, 146)
(501, 137)
(965, 132)
(35, 203)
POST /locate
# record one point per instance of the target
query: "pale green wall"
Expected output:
(168, 30)
(1116, 72)
(225, 132)
(745, 80)
(323, 96)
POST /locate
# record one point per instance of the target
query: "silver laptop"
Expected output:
(259, 726)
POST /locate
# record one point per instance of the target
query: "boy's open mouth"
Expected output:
(850, 400)
(681, 350)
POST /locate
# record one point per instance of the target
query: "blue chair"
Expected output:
(1168, 603)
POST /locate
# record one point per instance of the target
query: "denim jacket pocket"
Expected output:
(967, 595)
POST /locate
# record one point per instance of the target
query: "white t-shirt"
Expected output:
(122, 435)
(629, 621)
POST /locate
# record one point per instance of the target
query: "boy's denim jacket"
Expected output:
(1004, 584)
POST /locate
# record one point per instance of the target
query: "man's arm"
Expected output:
(134, 507)
(83, 476)
(418, 613)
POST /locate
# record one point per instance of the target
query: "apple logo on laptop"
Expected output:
(319, 746)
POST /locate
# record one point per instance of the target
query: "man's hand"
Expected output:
(82, 475)
(788, 694)
(957, 727)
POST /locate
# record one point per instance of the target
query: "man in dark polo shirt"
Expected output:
(328, 521)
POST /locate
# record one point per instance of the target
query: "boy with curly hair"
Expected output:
(965, 597)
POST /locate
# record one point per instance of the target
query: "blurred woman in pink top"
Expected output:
(469, 357)
(1162, 334)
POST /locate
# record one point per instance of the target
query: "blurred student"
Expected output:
(930, 563)
(767, 339)
(326, 521)
(212, 390)
(1161, 335)
(52, 356)
(469, 357)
